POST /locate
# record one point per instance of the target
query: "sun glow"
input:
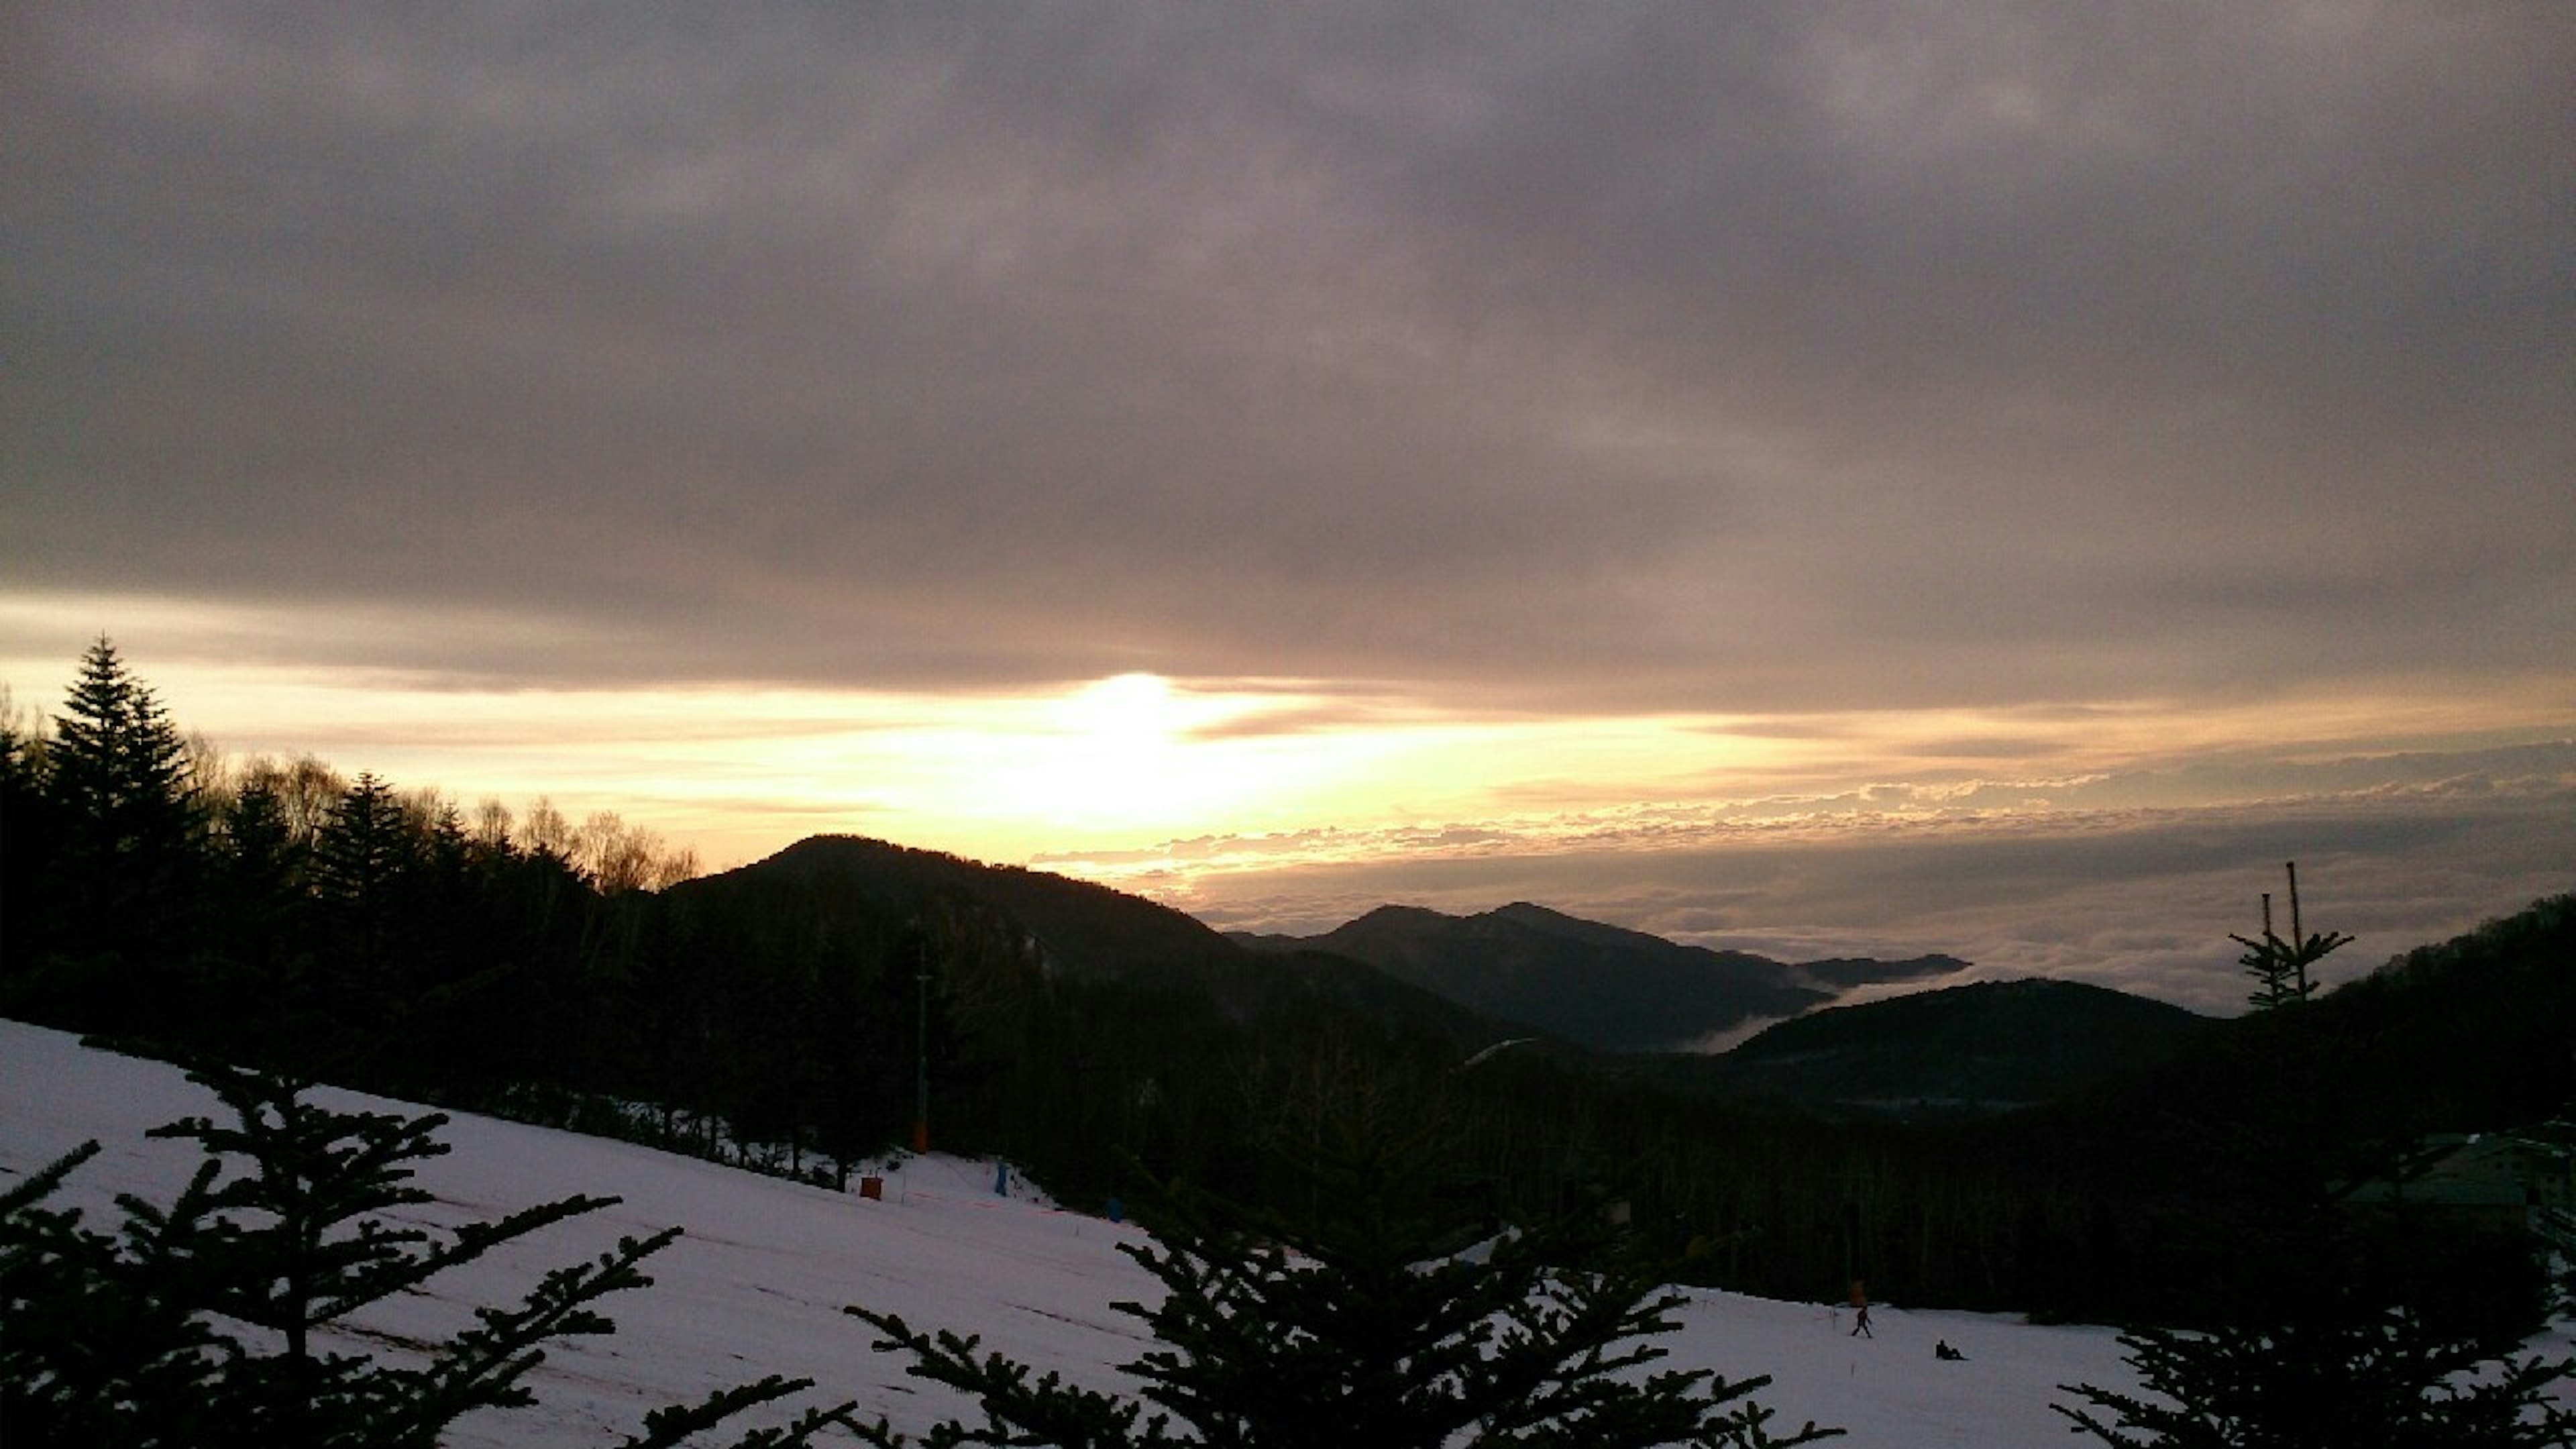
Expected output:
(1136, 754)
(1108, 755)
(1131, 714)
(1142, 774)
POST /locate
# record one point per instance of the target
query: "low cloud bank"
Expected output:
(2141, 899)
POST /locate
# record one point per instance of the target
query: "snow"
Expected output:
(757, 1283)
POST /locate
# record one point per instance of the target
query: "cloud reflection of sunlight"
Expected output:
(1141, 775)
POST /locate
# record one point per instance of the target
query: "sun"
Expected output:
(1129, 714)
(1137, 758)
(1122, 751)
(1116, 753)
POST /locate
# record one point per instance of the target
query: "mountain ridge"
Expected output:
(1581, 987)
(1065, 927)
(1598, 985)
(1981, 1046)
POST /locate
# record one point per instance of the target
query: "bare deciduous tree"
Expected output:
(545, 831)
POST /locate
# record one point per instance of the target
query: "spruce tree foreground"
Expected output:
(205, 1323)
(1365, 1322)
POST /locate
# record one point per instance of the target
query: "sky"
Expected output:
(1816, 478)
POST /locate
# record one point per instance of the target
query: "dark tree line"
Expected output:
(283, 913)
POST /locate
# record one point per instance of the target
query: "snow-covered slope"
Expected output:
(757, 1284)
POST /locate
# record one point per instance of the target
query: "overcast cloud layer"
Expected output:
(1709, 357)
(1484, 361)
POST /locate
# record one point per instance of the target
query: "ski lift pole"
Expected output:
(921, 1057)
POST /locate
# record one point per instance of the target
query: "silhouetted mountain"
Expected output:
(2200, 1167)
(1072, 926)
(2469, 1035)
(1847, 972)
(1062, 928)
(1598, 985)
(1984, 1046)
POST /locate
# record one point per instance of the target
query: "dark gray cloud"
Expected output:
(1797, 356)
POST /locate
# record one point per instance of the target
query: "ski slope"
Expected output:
(756, 1285)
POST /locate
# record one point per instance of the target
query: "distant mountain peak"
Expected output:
(1391, 913)
(1601, 985)
(1974, 1047)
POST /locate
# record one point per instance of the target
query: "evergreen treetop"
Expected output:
(2280, 967)
(126, 820)
(1364, 1324)
(115, 761)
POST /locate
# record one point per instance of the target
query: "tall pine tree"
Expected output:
(263, 872)
(366, 849)
(261, 976)
(128, 840)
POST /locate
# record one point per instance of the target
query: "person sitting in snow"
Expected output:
(1944, 1352)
